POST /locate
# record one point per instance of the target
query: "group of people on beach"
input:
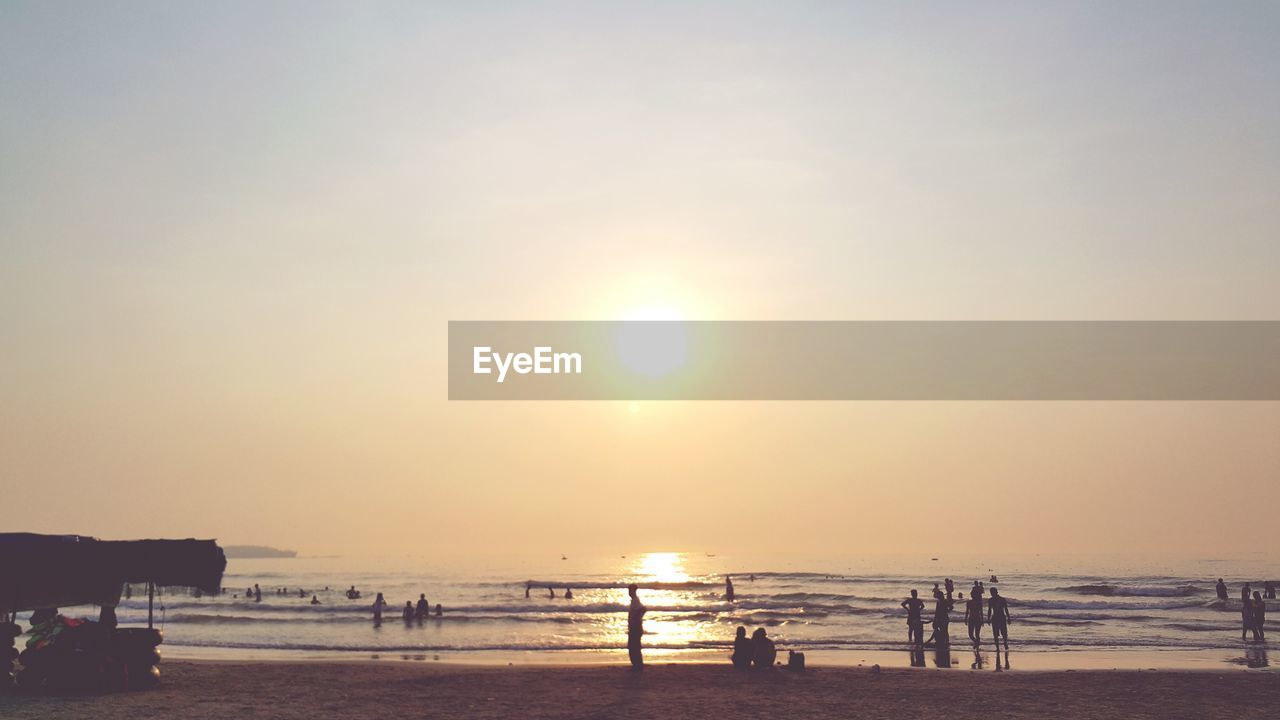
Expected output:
(1253, 610)
(977, 614)
(419, 612)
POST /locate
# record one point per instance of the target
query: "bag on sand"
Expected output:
(795, 661)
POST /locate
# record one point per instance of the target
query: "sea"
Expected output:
(1067, 612)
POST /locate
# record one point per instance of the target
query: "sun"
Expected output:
(653, 342)
(666, 567)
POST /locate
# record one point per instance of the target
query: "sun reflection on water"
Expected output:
(663, 567)
(677, 616)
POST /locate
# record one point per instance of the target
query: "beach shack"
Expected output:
(41, 573)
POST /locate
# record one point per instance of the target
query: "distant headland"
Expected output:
(257, 551)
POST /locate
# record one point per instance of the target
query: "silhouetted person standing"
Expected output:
(973, 618)
(998, 616)
(915, 624)
(951, 587)
(941, 622)
(1270, 591)
(635, 628)
(1222, 590)
(1259, 617)
(1246, 613)
(424, 607)
(728, 588)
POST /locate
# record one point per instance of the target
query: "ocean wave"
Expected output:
(1103, 605)
(612, 585)
(1136, 590)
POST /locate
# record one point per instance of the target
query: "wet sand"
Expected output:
(409, 690)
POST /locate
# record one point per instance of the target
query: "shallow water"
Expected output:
(1067, 612)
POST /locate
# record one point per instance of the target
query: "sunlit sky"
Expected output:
(231, 236)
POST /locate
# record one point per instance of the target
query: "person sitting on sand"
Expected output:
(915, 624)
(742, 650)
(1259, 617)
(407, 613)
(763, 651)
(315, 600)
(424, 607)
(1221, 587)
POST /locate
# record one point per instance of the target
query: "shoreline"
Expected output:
(281, 689)
(961, 658)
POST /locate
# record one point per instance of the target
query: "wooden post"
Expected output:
(151, 602)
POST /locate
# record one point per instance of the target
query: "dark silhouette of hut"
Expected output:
(49, 571)
(44, 572)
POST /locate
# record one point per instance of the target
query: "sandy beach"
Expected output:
(403, 690)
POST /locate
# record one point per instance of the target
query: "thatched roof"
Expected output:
(38, 571)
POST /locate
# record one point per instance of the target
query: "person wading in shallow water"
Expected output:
(998, 616)
(915, 625)
(635, 628)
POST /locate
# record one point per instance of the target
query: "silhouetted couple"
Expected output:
(1253, 615)
(758, 651)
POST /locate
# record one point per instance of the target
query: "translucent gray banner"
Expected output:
(671, 360)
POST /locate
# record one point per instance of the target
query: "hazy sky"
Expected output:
(231, 236)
